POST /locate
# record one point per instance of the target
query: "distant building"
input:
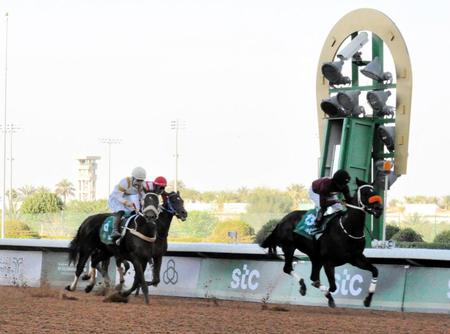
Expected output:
(87, 177)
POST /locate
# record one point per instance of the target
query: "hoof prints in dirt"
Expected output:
(265, 307)
(115, 298)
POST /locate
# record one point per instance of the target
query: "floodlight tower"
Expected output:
(349, 138)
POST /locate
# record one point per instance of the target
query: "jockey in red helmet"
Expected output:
(158, 186)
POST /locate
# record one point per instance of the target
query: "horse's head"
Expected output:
(368, 199)
(150, 206)
(173, 203)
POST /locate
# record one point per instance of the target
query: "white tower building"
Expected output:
(87, 177)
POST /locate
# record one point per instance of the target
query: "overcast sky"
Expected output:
(241, 74)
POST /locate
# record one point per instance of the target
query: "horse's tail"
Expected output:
(74, 247)
(271, 242)
(80, 238)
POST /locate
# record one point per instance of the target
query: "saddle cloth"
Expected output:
(107, 228)
(307, 225)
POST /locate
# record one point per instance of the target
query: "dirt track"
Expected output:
(45, 310)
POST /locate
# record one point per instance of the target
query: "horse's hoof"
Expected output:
(330, 298)
(302, 287)
(152, 283)
(368, 300)
(67, 288)
(85, 277)
(88, 288)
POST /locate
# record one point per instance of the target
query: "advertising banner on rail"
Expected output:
(57, 272)
(178, 277)
(265, 281)
(427, 290)
(20, 268)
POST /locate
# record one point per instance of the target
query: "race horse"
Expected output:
(342, 242)
(134, 244)
(173, 205)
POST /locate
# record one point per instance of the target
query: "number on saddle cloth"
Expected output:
(307, 225)
(107, 228)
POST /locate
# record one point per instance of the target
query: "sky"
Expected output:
(240, 74)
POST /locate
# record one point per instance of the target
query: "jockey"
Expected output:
(324, 191)
(126, 197)
(158, 186)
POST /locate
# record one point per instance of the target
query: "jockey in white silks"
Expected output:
(126, 197)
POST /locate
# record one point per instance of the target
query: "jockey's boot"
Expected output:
(115, 234)
(319, 218)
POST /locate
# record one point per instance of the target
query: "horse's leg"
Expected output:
(316, 265)
(121, 274)
(363, 263)
(103, 268)
(157, 261)
(138, 279)
(329, 271)
(288, 269)
(144, 285)
(96, 258)
(83, 257)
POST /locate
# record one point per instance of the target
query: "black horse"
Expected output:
(173, 205)
(342, 242)
(134, 246)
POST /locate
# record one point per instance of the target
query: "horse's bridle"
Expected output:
(170, 209)
(361, 206)
(151, 207)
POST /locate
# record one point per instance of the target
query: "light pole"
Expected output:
(4, 132)
(11, 128)
(109, 142)
(177, 125)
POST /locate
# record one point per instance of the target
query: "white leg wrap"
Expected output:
(323, 288)
(73, 286)
(373, 285)
(295, 275)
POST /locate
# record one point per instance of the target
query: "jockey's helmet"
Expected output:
(160, 181)
(341, 178)
(138, 173)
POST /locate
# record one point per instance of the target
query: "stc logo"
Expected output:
(348, 285)
(244, 279)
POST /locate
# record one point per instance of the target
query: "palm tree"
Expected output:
(25, 191)
(65, 189)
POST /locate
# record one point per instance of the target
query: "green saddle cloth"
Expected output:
(107, 228)
(307, 225)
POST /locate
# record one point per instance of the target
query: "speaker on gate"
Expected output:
(350, 102)
(332, 72)
(332, 108)
(373, 71)
(377, 100)
(387, 136)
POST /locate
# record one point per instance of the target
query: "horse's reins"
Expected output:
(170, 209)
(135, 231)
(138, 234)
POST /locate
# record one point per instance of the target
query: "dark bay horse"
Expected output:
(173, 205)
(134, 246)
(342, 242)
